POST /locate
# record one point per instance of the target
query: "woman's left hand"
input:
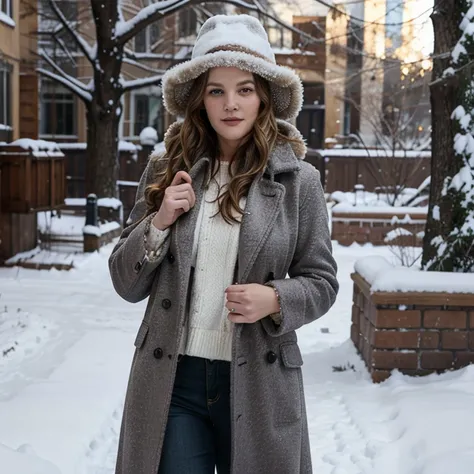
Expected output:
(250, 303)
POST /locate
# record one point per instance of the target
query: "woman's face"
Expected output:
(231, 103)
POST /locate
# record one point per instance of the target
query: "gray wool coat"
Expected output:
(284, 232)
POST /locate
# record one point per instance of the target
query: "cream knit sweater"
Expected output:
(209, 331)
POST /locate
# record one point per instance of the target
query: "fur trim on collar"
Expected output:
(290, 131)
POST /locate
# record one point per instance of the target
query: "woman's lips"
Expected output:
(232, 122)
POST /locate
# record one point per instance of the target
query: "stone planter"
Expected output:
(416, 332)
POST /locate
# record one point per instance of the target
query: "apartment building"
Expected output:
(9, 70)
(18, 79)
(387, 75)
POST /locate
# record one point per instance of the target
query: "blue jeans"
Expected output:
(198, 433)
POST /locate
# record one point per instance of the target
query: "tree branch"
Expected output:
(81, 42)
(134, 84)
(63, 74)
(141, 66)
(85, 96)
(66, 50)
(146, 56)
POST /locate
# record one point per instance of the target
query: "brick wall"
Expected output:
(434, 333)
(348, 228)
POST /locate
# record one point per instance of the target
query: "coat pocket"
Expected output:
(291, 355)
(290, 393)
(141, 335)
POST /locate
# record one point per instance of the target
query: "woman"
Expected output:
(221, 218)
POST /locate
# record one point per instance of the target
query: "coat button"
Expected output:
(170, 258)
(271, 357)
(138, 267)
(158, 353)
(166, 304)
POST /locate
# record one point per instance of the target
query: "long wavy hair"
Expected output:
(197, 138)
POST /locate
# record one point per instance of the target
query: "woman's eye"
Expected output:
(246, 90)
(215, 92)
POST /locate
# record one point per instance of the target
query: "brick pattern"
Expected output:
(418, 341)
(374, 232)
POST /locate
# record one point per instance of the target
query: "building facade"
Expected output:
(9, 70)
(18, 78)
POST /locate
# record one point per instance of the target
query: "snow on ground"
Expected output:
(66, 343)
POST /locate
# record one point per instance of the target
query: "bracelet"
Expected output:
(278, 299)
(276, 317)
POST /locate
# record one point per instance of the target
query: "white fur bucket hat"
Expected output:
(233, 41)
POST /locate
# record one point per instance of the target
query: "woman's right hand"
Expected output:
(179, 198)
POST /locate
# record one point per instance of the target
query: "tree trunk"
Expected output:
(103, 113)
(444, 99)
(102, 166)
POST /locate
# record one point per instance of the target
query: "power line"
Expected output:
(361, 20)
(367, 23)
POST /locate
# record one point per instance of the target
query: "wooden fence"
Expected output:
(131, 166)
(31, 179)
(132, 163)
(341, 170)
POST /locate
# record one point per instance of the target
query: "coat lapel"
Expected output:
(184, 227)
(262, 207)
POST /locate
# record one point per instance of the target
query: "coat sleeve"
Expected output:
(312, 287)
(131, 269)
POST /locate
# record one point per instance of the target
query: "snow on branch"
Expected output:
(128, 86)
(126, 30)
(142, 66)
(88, 51)
(65, 76)
(79, 91)
(147, 56)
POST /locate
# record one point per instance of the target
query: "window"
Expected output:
(275, 36)
(50, 30)
(393, 29)
(147, 37)
(6, 7)
(313, 94)
(148, 112)
(58, 111)
(68, 9)
(187, 21)
(5, 102)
